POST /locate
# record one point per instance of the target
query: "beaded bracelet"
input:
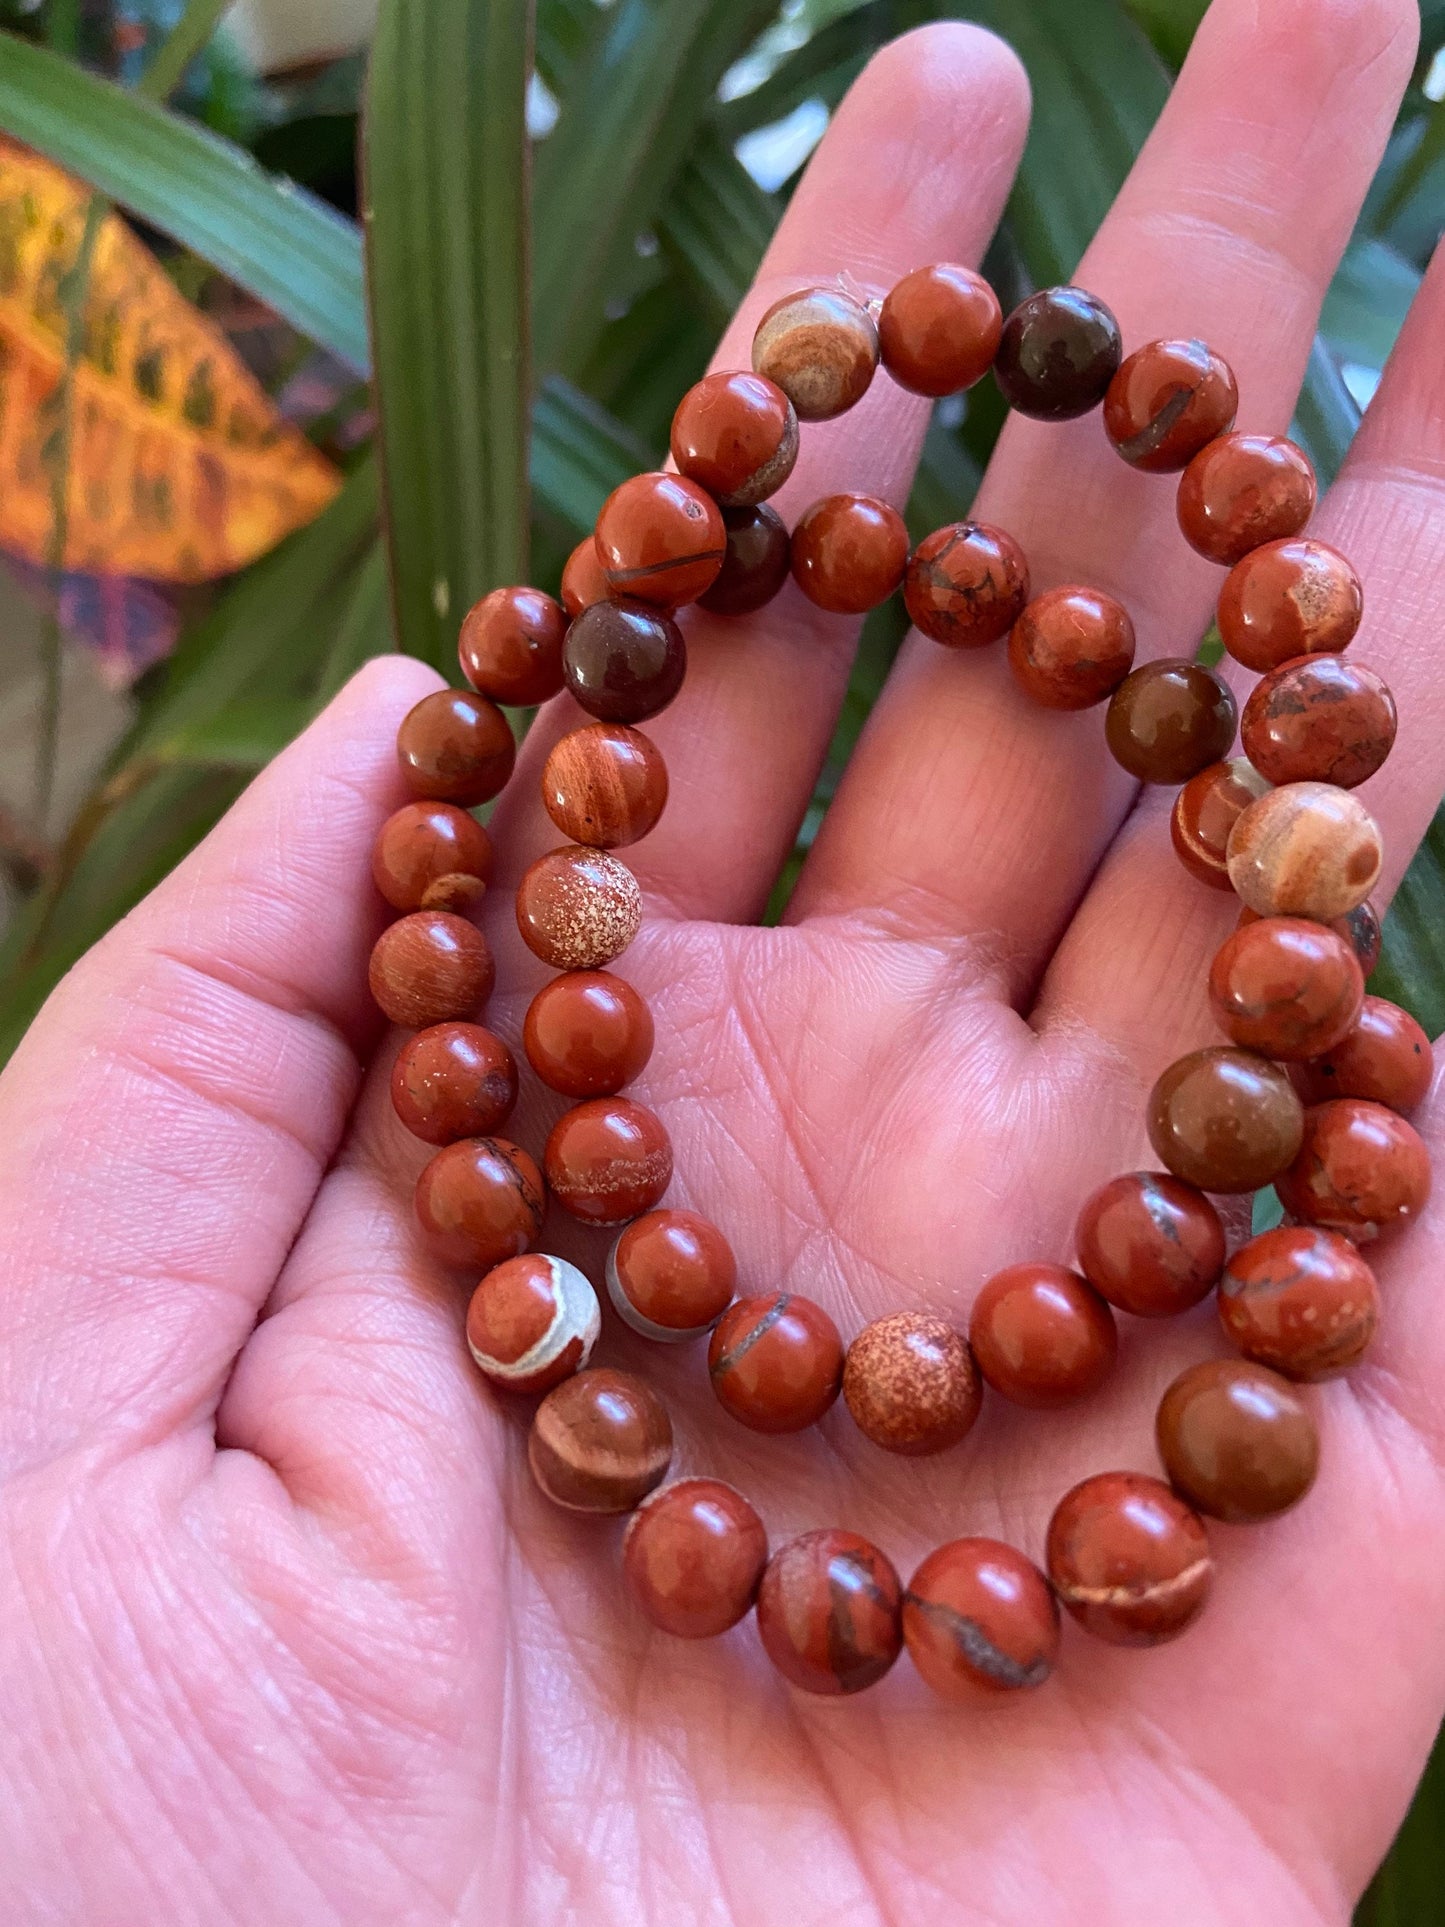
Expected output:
(1308, 1094)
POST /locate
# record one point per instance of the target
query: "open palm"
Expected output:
(289, 1635)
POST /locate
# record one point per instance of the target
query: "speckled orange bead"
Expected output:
(1298, 597)
(608, 1160)
(819, 346)
(829, 1612)
(605, 785)
(1204, 813)
(1319, 719)
(1286, 987)
(532, 1322)
(671, 1275)
(1129, 1560)
(1225, 1120)
(1150, 1244)
(1237, 1440)
(1042, 1336)
(623, 661)
(775, 1362)
(577, 909)
(480, 1201)
(849, 553)
(583, 579)
(693, 1554)
(1300, 1300)
(735, 435)
(453, 1081)
(660, 539)
(1170, 719)
(938, 329)
(1071, 647)
(757, 561)
(457, 747)
(510, 646)
(600, 1442)
(910, 1384)
(1168, 400)
(980, 1620)
(1385, 1056)
(1307, 850)
(966, 585)
(1362, 1170)
(1244, 490)
(587, 1033)
(430, 968)
(432, 856)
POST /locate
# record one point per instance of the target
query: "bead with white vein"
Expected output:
(532, 1322)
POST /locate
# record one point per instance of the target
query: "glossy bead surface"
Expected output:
(1204, 813)
(623, 661)
(775, 1362)
(1307, 850)
(1300, 1300)
(757, 561)
(453, 1081)
(577, 909)
(583, 580)
(1362, 1170)
(1244, 490)
(1042, 1336)
(909, 1382)
(532, 1322)
(1167, 401)
(1150, 1244)
(829, 1612)
(1071, 647)
(939, 329)
(1057, 354)
(587, 1033)
(605, 785)
(1170, 719)
(1237, 1440)
(1297, 597)
(1129, 1559)
(849, 553)
(1285, 987)
(1319, 719)
(671, 1275)
(457, 747)
(966, 585)
(1385, 1056)
(480, 1201)
(432, 856)
(979, 1619)
(430, 968)
(735, 435)
(1225, 1119)
(660, 539)
(600, 1442)
(820, 346)
(608, 1160)
(1359, 927)
(510, 646)
(693, 1554)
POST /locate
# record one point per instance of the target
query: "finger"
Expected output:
(967, 809)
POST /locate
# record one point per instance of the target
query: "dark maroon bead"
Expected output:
(1059, 351)
(624, 661)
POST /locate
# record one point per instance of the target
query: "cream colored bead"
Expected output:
(820, 346)
(1305, 850)
(532, 1322)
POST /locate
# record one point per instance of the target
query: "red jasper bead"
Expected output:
(966, 585)
(1286, 987)
(1170, 719)
(736, 435)
(480, 1201)
(775, 1362)
(1237, 1441)
(1225, 1119)
(849, 553)
(583, 580)
(660, 538)
(429, 968)
(1361, 1170)
(1298, 597)
(1307, 850)
(600, 1441)
(1150, 1244)
(587, 1033)
(605, 785)
(1360, 929)
(510, 646)
(1385, 1057)
(532, 1322)
(1244, 490)
(979, 1620)
(1168, 400)
(623, 661)
(693, 1554)
(1058, 352)
(938, 330)
(456, 746)
(1128, 1559)
(1071, 647)
(1300, 1300)
(1204, 813)
(757, 561)
(1042, 1336)
(909, 1382)
(821, 348)
(1319, 719)
(453, 1081)
(829, 1612)
(671, 1275)
(577, 909)
(608, 1160)
(432, 856)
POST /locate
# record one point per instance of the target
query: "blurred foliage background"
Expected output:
(197, 355)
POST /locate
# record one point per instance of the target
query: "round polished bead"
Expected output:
(757, 561)
(938, 330)
(1385, 1056)
(457, 747)
(605, 785)
(1204, 813)
(829, 1612)
(510, 646)
(1042, 1336)
(587, 1033)
(608, 1160)
(1300, 1300)
(1237, 1441)
(1129, 1559)
(1359, 927)
(577, 909)
(1362, 1170)
(966, 585)
(909, 1382)
(1307, 850)
(430, 968)
(1225, 1120)
(693, 1554)
(532, 1322)
(660, 538)
(480, 1201)
(1057, 354)
(623, 661)
(1319, 719)
(819, 346)
(1150, 1244)
(1286, 987)
(600, 1442)
(671, 1275)
(1071, 647)
(979, 1619)
(849, 553)
(1244, 490)
(1298, 597)
(1170, 719)
(735, 435)
(775, 1362)
(583, 580)
(432, 856)
(1167, 401)
(453, 1081)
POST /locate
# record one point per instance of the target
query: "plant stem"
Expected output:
(186, 39)
(62, 27)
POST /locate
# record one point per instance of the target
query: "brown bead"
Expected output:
(979, 1620)
(480, 1201)
(660, 538)
(966, 585)
(1361, 928)
(532, 1322)
(1362, 1170)
(692, 1556)
(1225, 1120)
(577, 909)
(453, 1081)
(456, 746)
(1128, 1559)
(429, 855)
(1319, 719)
(624, 662)
(1307, 850)
(600, 1441)
(1167, 401)
(776, 1362)
(1237, 1441)
(938, 330)
(829, 1612)
(757, 561)
(849, 553)
(1150, 1244)
(587, 1033)
(1298, 597)
(1204, 813)
(1385, 1057)
(910, 1383)
(510, 646)
(735, 435)
(1170, 719)
(821, 347)
(583, 580)
(1042, 1336)
(1071, 647)
(1244, 490)
(608, 1160)
(1285, 987)
(430, 968)
(605, 785)
(1300, 1300)
(671, 1275)
(1057, 354)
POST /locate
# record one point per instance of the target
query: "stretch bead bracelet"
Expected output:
(1308, 1093)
